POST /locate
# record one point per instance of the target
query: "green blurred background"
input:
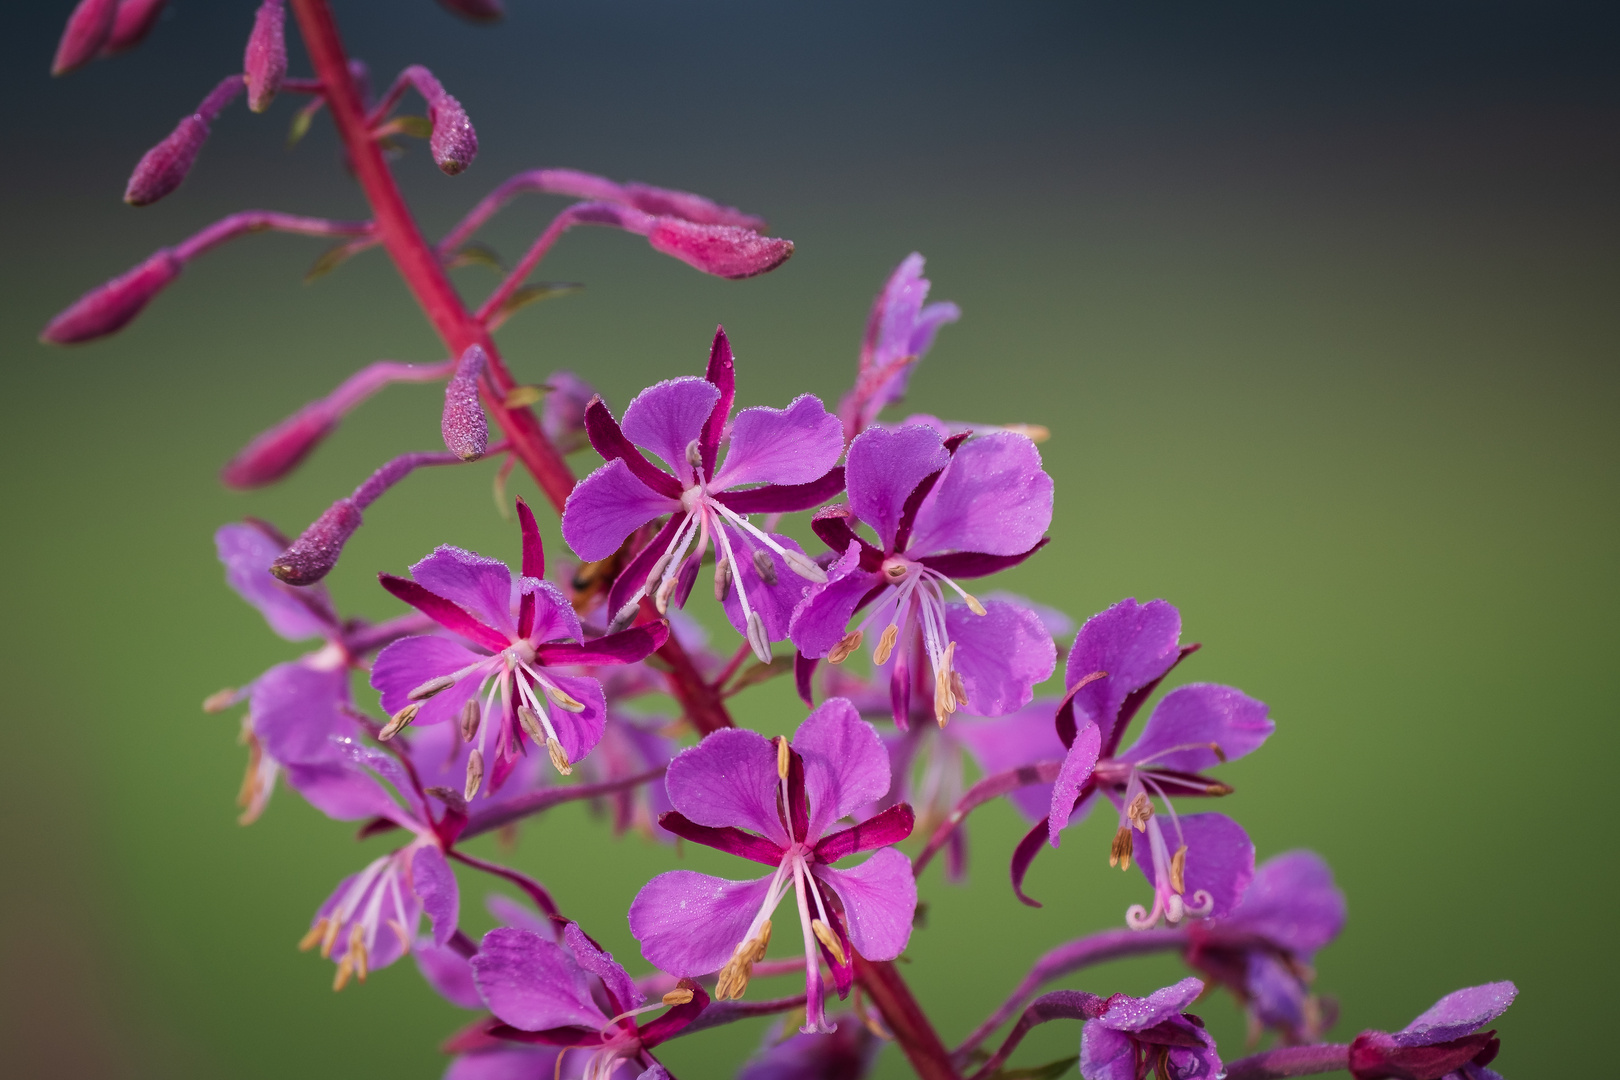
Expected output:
(1318, 302)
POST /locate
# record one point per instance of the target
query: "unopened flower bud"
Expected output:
(87, 30)
(727, 251)
(276, 452)
(164, 166)
(398, 722)
(264, 64)
(133, 22)
(312, 556)
(683, 204)
(475, 10)
(109, 307)
(465, 430)
(765, 567)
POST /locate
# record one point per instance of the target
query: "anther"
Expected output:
(661, 597)
(694, 454)
(757, 637)
(846, 645)
(341, 979)
(1139, 811)
(470, 715)
(829, 939)
(803, 565)
(1215, 787)
(678, 996)
(564, 700)
(403, 934)
(475, 773)
(1178, 869)
(559, 760)
(1119, 853)
(222, 700)
(782, 757)
(885, 645)
(765, 568)
(329, 939)
(357, 950)
(895, 571)
(398, 722)
(431, 687)
(531, 724)
(973, 603)
(733, 980)
(1215, 748)
(722, 579)
(313, 937)
(958, 691)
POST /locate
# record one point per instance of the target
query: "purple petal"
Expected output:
(603, 966)
(845, 764)
(1220, 858)
(689, 923)
(884, 465)
(820, 619)
(846, 1054)
(533, 984)
(1106, 1054)
(1276, 995)
(731, 840)
(1126, 1013)
(666, 418)
(880, 898)
(449, 973)
(1076, 770)
(773, 603)
(1292, 902)
(1001, 654)
(608, 506)
(435, 885)
(623, 647)
(579, 732)
(480, 586)
(247, 554)
(1134, 643)
(1457, 1014)
(728, 779)
(409, 662)
(1008, 742)
(1057, 623)
(345, 794)
(884, 829)
(554, 617)
(609, 440)
(448, 615)
(782, 499)
(1201, 713)
(517, 1063)
(510, 913)
(993, 498)
(296, 711)
(794, 445)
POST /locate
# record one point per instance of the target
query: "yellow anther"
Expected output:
(1140, 811)
(885, 645)
(531, 724)
(475, 773)
(329, 938)
(782, 758)
(1036, 433)
(678, 996)
(313, 937)
(564, 700)
(1178, 870)
(829, 940)
(1119, 852)
(357, 950)
(559, 760)
(341, 979)
(398, 722)
(400, 932)
(519, 396)
(733, 980)
(973, 603)
(846, 645)
(220, 701)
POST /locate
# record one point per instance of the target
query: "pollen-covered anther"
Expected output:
(958, 691)
(973, 603)
(559, 759)
(564, 700)
(431, 687)
(357, 951)
(804, 566)
(470, 715)
(758, 639)
(678, 996)
(221, 700)
(345, 969)
(475, 773)
(1140, 811)
(722, 579)
(1215, 748)
(783, 757)
(1120, 851)
(313, 936)
(1215, 787)
(829, 940)
(1178, 869)
(694, 454)
(846, 647)
(895, 571)
(398, 722)
(1035, 433)
(733, 980)
(944, 691)
(885, 645)
(764, 567)
(531, 724)
(661, 597)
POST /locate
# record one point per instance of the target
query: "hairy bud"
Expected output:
(313, 554)
(87, 30)
(109, 308)
(727, 251)
(453, 143)
(475, 10)
(133, 22)
(276, 452)
(690, 207)
(164, 166)
(465, 430)
(264, 64)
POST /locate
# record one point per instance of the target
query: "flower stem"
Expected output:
(905, 1018)
(1286, 1061)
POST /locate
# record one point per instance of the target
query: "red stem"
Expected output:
(905, 1018)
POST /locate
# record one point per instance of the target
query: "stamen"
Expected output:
(400, 932)
(431, 687)
(958, 691)
(531, 724)
(678, 996)
(722, 580)
(944, 697)
(470, 715)
(329, 939)
(221, 700)
(885, 645)
(895, 571)
(1178, 869)
(757, 638)
(846, 645)
(357, 949)
(765, 567)
(475, 773)
(782, 757)
(800, 564)
(972, 601)
(734, 976)
(825, 935)
(661, 597)
(562, 698)
(559, 760)
(1123, 847)
(1215, 787)
(1140, 811)
(310, 939)
(341, 979)
(803, 565)
(694, 454)
(398, 722)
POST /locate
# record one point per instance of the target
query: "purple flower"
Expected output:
(1262, 950)
(1127, 1038)
(87, 30)
(899, 332)
(1118, 659)
(846, 1054)
(940, 510)
(1445, 1043)
(778, 803)
(435, 680)
(785, 457)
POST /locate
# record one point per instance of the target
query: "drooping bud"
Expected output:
(398, 722)
(109, 308)
(765, 567)
(87, 30)
(275, 453)
(845, 647)
(264, 64)
(312, 556)
(829, 939)
(164, 166)
(453, 142)
(727, 251)
(559, 759)
(475, 10)
(465, 430)
(475, 773)
(683, 204)
(470, 715)
(133, 22)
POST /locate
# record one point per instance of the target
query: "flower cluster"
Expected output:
(496, 684)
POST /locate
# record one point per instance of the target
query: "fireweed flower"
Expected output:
(1444, 1043)
(846, 1054)
(1118, 659)
(941, 510)
(789, 455)
(570, 993)
(899, 332)
(434, 680)
(1262, 950)
(1128, 1038)
(777, 803)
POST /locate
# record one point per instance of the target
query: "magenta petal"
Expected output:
(518, 1062)
(1292, 902)
(667, 417)
(603, 966)
(1134, 643)
(784, 498)
(554, 617)
(478, 585)
(1201, 713)
(845, 764)
(1457, 1014)
(435, 885)
(624, 647)
(247, 554)
(1076, 770)
(449, 973)
(795, 445)
(773, 603)
(608, 506)
(822, 617)
(533, 984)
(409, 662)
(1106, 1054)
(884, 466)
(994, 498)
(443, 612)
(732, 841)
(883, 830)
(345, 794)
(689, 923)
(296, 711)
(1009, 742)
(579, 732)
(1126, 1013)
(728, 779)
(1220, 858)
(1001, 655)
(880, 898)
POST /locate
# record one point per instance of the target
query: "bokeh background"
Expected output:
(1318, 301)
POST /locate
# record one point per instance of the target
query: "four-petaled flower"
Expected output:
(1444, 1043)
(433, 680)
(776, 460)
(1128, 1038)
(941, 509)
(899, 331)
(778, 803)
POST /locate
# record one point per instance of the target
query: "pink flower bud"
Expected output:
(87, 30)
(107, 308)
(475, 10)
(164, 166)
(726, 251)
(684, 204)
(276, 452)
(264, 64)
(312, 556)
(453, 143)
(465, 430)
(133, 22)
